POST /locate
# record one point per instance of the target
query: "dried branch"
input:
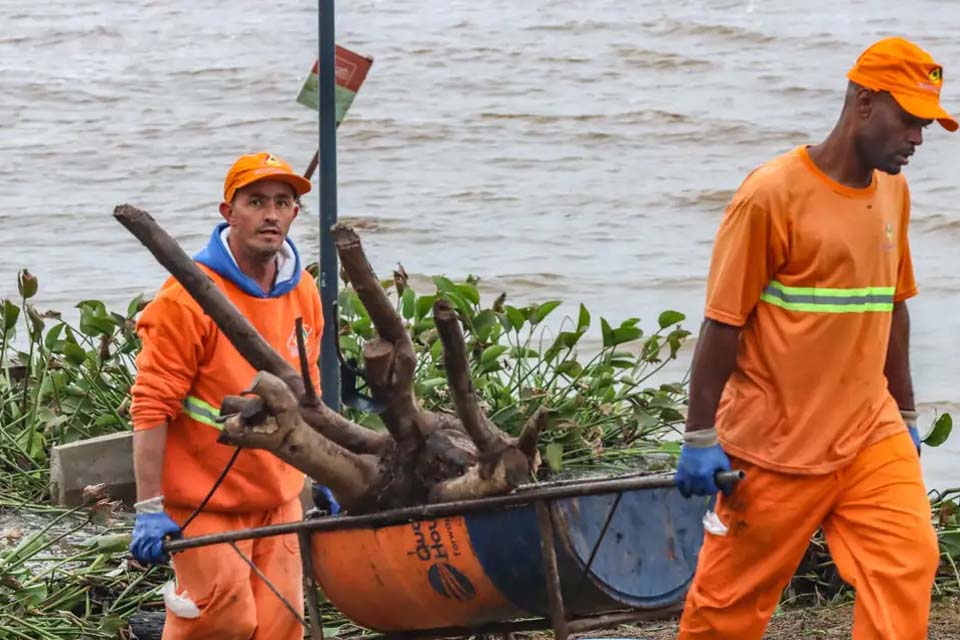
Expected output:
(361, 275)
(241, 333)
(271, 420)
(487, 437)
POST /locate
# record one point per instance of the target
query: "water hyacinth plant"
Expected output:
(606, 411)
(66, 574)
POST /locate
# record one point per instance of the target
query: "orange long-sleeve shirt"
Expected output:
(186, 367)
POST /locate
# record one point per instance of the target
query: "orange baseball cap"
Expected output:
(908, 73)
(261, 166)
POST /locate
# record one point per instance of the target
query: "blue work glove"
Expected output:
(149, 530)
(700, 459)
(323, 499)
(915, 436)
(910, 419)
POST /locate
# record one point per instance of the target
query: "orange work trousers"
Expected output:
(234, 603)
(875, 515)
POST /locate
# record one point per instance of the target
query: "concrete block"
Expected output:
(104, 459)
(107, 459)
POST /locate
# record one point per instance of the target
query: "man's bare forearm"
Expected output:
(713, 361)
(897, 367)
(149, 447)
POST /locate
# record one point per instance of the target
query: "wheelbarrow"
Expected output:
(570, 556)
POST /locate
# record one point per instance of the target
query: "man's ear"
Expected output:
(226, 210)
(866, 101)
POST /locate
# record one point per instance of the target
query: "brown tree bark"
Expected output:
(431, 456)
(240, 332)
(271, 419)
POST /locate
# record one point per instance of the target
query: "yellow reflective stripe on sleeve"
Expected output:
(817, 300)
(202, 411)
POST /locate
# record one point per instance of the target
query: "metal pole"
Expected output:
(327, 162)
(310, 585)
(558, 613)
(522, 497)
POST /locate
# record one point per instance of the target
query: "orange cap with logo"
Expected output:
(261, 166)
(908, 73)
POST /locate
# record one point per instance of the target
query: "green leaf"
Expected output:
(94, 326)
(607, 333)
(670, 446)
(53, 337)
(423, 325)
(94, 319)
(484, 323)
(136, 306)
(940, 432)
(93, 306)
(349, 345)
(372, 421)
(31, 596)
(950, 543)
(544, 310)
(570, 368)
(444, 285)
(675, 340)
(566, 340)
(493, 352)
(74, 353)
(350, 305)
(468, 291)
(515, 316)
(110, 542)
(106, 420)
(651, 349)
(36, 322)
(624, 334)
(11, 313)
(408, 304)
(524, 352)
(583, 322)
(645, 420)
(363, 327)
(670, 317)
(493, 365)
(424, 305)
(112, 624)
(27, 284)
(428, 385)
(462, 305)
(622, 362)
(554, 456)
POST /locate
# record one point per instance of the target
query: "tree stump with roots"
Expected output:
(424, 456)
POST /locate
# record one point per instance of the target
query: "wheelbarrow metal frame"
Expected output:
(539, 496)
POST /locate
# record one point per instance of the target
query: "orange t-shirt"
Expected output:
(810, 269)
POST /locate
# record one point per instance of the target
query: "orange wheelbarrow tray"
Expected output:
(571, 556)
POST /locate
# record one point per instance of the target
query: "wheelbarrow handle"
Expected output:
(728, 480)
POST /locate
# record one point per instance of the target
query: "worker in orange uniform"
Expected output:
(801, 373)
(185, 368)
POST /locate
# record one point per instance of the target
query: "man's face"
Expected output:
(889, 135)
(260, 216)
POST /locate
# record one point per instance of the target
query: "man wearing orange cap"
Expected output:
(184, 370)
(801, 374)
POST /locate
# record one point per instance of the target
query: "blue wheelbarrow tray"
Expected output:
(620, 550)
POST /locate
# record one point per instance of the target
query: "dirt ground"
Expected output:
(821, 623)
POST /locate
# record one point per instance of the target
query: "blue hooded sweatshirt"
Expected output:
(216, 255)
